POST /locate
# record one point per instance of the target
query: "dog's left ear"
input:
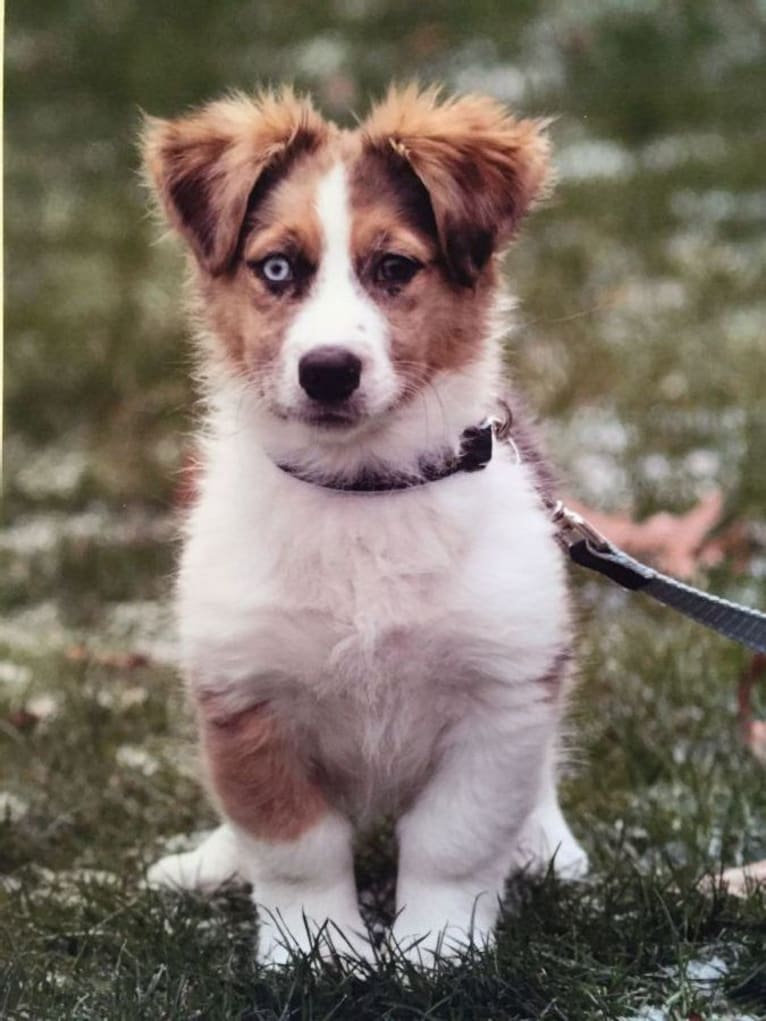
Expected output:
(482, 169)
(203, 167)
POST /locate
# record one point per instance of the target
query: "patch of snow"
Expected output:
(674, 150)
(705, 973)
(590, 446)
(504, 81)
(594, 158)
(121, 698)
(656, 467)
(43, 706)
(12, 807)
(702, 464)
(145, 626)
(321, 56)
(647, 1014)
(66, 886)
(180, 842)
(14, 674)
(716, 205)
(54, 470)
(41, 533)
(135, 757)
(35, 629)
(650, 295)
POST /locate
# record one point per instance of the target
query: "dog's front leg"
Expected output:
(291, 845)
(456, 843)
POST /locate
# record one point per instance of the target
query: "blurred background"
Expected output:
(639, 339)
(641, 326)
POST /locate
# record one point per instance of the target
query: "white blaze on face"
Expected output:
(337, 310)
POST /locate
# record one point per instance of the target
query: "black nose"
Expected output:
(329, 374)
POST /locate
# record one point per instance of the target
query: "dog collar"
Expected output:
(474, 454)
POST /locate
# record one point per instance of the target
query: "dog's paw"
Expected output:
(204, 869)
(571, 861)
(440, 943)
(347, 949)
(547, 840)
(285, 935)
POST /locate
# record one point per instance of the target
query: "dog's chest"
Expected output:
(317, 591)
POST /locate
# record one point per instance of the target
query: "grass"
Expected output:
(641, 341)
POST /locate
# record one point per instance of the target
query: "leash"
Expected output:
(585, 545)
(589, 548)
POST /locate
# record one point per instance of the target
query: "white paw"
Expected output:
(204, 869)
(309, 919)
(437, 941)
(571, 861)
(547, 839)
(278, 945)
(442, 921)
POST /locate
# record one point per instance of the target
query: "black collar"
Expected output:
(474, 455)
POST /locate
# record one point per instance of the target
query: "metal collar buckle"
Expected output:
(572, 526)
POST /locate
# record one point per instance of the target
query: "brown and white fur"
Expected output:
(355, 654)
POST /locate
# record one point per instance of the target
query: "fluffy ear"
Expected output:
(204, 167)
(481, 167)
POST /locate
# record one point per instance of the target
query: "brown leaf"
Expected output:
(22, 720)
(739, 881)
(753, 730)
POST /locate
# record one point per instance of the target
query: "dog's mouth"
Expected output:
(324, 417)
(348, 415)
(329, 419)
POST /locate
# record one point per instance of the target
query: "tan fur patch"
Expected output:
(287, 219)
(239, 309)
(435, 324)
(481, 167)
(256, 775)
(204, 166)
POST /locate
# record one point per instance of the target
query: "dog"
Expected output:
(371, 601)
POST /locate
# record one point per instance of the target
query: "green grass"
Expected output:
(640, 339)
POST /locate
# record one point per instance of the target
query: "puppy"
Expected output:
(371, 622)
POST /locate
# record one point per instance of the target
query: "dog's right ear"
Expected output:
(203, 167)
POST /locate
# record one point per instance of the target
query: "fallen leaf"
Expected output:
(741, 880)
(753, 730)
(22, 720)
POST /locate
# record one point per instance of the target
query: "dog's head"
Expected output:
(340, 272)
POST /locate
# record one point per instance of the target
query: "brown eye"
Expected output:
(396, 270)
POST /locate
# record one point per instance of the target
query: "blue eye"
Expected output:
(276, 269)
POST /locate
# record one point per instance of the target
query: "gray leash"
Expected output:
(589, 548)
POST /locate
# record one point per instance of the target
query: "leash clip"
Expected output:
(573, 526)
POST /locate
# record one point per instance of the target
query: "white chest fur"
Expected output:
(370, 621)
